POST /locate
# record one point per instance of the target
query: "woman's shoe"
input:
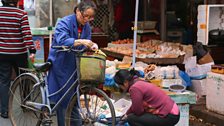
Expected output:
(5, 115)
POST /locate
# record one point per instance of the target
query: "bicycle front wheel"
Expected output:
(20, 92)
(96, 109)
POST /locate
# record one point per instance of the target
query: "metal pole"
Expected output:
(163, 20)
(51, 24)
(135, 34)
(37, 13)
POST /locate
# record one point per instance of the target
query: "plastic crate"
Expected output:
(121, 107)
(92, 68)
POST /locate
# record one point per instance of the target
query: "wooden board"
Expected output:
(159, 61)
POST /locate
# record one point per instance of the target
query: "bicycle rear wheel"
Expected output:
(96, 109)
(20, 92)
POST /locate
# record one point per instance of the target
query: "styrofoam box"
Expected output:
(199, 87)
(215, 92)
(167, 82)
(184, 115)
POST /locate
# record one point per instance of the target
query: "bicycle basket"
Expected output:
(92, 68)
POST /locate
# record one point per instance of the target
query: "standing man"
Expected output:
(15, 43)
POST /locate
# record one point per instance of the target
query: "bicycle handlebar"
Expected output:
(60, 47)
(68, 49)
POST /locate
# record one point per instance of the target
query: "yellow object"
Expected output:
(202, 26)
(124, 65)
(110, 88)
(157, 82)
(134, 28)
(100, 52)
(218, 69)
(169, 93)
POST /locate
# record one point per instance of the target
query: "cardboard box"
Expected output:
(215, 92)
(205, 59)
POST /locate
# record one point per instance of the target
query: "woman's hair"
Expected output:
(122, 75)
(12, 3)
(82, 6)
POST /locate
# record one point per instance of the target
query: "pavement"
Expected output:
(5, 122)
(201, 115)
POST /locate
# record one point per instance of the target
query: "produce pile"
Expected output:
(148, 49)
(124, 41)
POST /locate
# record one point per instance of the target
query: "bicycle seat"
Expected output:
(42, 67)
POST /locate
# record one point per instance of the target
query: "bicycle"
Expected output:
(29, 102)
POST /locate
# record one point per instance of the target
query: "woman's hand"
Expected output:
(124, 117)
(88, 43)
(94, 47)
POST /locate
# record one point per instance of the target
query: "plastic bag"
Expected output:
(186, 80)
(199, 50)
(168, 72)
(196, 71)
(30, 63)
(109, 80)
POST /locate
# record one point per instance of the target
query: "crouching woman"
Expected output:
(151, 106)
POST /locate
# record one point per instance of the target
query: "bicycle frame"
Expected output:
(42, 83)
(43, 86)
